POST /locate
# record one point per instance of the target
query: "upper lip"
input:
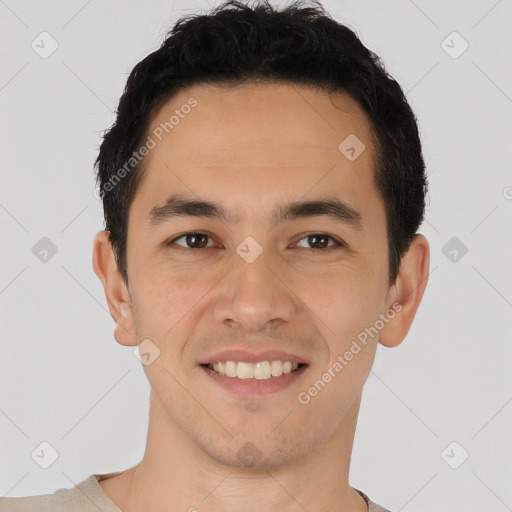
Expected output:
(252, 357)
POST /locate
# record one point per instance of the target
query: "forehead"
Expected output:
(250, 144)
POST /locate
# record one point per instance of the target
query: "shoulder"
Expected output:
(40, 503)
(80, 498)
(372, 506)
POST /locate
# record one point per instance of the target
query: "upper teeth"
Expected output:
(260, 370)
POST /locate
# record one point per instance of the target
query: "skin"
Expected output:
(251, 148)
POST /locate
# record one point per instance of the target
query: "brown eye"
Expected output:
(193, 240)
(320, 241)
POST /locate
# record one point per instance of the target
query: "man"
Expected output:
(262, 187)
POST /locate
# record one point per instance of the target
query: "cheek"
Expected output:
(347, 305)
(345, 300)
(344, 306)
(168, 306)
(168, 310)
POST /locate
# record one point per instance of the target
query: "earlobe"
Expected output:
(116, 292)
(407, 291)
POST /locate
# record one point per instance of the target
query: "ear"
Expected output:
(407, 291)
(116, 292)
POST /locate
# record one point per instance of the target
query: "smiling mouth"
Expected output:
(262, 370)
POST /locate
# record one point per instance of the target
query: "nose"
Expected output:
(254, 296)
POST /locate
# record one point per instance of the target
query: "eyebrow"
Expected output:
(178, 205)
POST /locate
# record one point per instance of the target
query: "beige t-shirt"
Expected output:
(88, 496)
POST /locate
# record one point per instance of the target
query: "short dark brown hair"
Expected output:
(300, 44)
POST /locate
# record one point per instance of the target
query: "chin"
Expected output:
(259, 453)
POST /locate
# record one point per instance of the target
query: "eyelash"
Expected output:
(337, 243)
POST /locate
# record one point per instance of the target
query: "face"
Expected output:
(262, 278)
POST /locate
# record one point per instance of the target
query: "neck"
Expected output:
(176, 473)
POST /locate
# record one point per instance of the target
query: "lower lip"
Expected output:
(255, 387)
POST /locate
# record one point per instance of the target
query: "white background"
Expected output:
(64, 379)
